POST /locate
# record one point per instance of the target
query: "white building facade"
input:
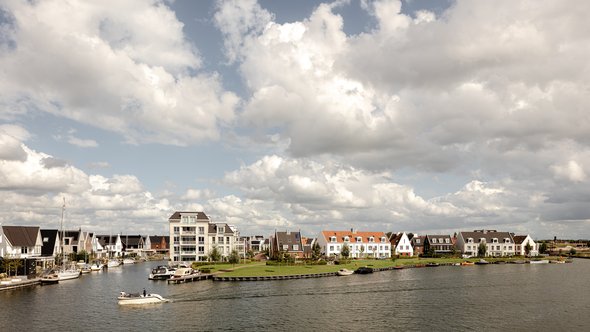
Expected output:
(193, 236)
(496, 243)
(360, 244)
(401, 244)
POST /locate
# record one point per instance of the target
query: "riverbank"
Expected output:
(261, 271)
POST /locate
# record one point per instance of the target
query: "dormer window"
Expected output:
(383, 240)
(482, 240)
(333, 239)
(447, 241)
(469, 240)
(346, 239)
(507, 240)
(494, 240)
(417, 241)
(371, 239)
(433, 240)
(359, 239)
(440, 240)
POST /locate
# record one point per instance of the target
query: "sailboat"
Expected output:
(64, 272)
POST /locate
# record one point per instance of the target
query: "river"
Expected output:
(540, 297)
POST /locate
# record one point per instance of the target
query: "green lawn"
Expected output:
(261, 269)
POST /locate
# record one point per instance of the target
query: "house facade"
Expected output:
(417, 243)
(401, 244)
(496, 243)
(520, 244)
(20, 241)
(360, 244)
(286, 242)
(438, 244)
(193, 236)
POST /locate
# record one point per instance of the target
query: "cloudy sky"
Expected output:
(430, 117)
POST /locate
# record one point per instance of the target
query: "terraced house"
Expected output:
(360, 244)
(496, 243)
(193, 236)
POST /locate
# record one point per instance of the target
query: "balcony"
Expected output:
(186, 243)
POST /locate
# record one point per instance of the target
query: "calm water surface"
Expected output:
(513, 297)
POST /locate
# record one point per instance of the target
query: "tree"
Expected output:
(11, 265)
(234, 257)
(250, 253)
(214, 254)
(316, 251)
(543, 248)
(482, 249)
(362, 250)
(528, 248)
(572, 251)
(345, 251)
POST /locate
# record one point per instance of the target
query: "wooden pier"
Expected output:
(190, 278)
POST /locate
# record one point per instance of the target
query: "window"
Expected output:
(285, 247)
(333, 239)
(176, 239)
(331, 248)
(201, 230)
(24, 250)
(295, 247)
(201, 240)
(227, 239)
(220, 240)
(371, 239)
(383, 240)
(433, 240)
(346, 239)
(176, 230)
(440, 240)
(417, 241)
(359, 239)
(213, 239)
(67, 242)
(45, 239)
(469, 240)
(447, 240)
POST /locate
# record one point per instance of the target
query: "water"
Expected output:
(513, 297)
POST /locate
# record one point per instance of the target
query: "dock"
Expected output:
(17, 283)
(190, 278)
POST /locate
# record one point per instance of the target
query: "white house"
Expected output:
(20, 241)
(521, 242)
(360, 244)
(193, 236)
(497, 243)
(401, 245)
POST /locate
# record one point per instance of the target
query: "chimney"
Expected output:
(353, 231)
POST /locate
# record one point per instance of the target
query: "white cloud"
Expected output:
(123, 67)
(571, 171)
(31, 190)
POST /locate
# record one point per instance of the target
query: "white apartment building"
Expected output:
(401, 245)
(360, 244)
(497, 243)
(193, 236)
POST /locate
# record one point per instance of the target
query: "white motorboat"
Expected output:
(68, 274)
(113, 263)
(128, 261)
(85, 268)
(50, 278)
(344, 272)
(137, 298)
(96, 266)
(543, 261)
(162, 272)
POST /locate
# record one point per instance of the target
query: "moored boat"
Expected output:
(542, 261)
(137, 298)
(482, 262)
(50, 278)
(113, 263)
(96, 266)
(467, 263)
(162, 272)
(364, 270)
(68, 274)
(128, 261)
(432, 264)
(344, 272)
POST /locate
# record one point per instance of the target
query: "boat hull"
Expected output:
(127, 299)
(344, 272)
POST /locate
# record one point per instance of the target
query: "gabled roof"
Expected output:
(290, 239)
(157, 238)
(226, 228)
(178, 214)
(73, 234)
(48, 247)
(519, 239)
(131, 240)
(106, 239)
(395, 238)
(352, 235)
(21, 236)
(487, 235)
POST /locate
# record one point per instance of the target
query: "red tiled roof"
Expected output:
(340, 235)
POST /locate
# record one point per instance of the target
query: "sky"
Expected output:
(418, 116)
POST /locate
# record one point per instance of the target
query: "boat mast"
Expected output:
(63, 239)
